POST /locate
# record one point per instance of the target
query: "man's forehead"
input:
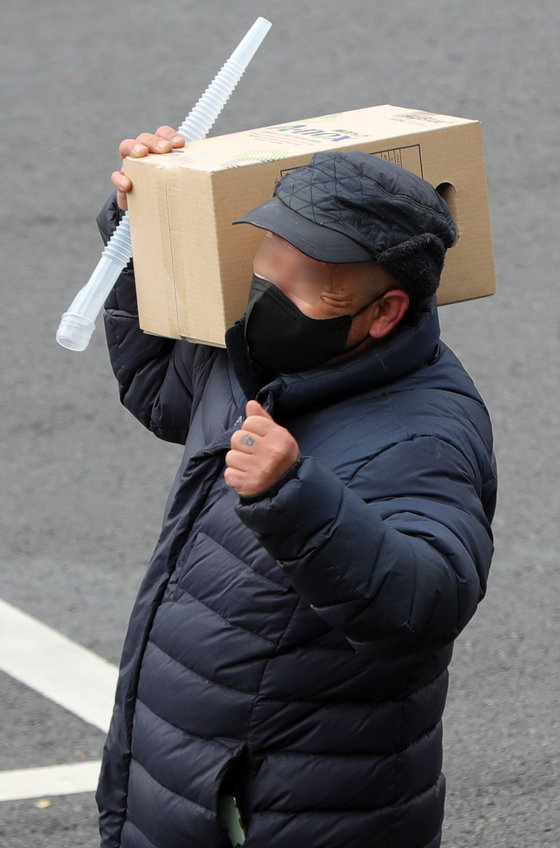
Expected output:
(274, 240)
(284, 243)
(280, 242)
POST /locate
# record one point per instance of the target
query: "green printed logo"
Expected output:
(264, 154)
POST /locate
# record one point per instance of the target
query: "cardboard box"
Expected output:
(193, 268)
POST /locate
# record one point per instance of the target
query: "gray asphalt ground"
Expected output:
(84, 486)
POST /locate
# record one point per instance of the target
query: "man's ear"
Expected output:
(389, 312)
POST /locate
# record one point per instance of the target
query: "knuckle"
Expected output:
(166, 131)
(124, 147)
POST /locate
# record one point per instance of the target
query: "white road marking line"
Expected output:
(66, 673)
(50, 663)
(49, 781)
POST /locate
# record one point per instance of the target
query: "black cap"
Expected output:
(354, 207)
(316, 240)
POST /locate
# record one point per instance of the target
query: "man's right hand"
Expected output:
(163, 140)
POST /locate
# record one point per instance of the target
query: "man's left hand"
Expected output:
(261, 452)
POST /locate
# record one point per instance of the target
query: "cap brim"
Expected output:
(318, 242)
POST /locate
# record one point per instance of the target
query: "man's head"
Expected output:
(353, 235)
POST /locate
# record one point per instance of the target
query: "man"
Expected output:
(325, 540)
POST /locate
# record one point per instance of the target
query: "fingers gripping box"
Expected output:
(193, 267)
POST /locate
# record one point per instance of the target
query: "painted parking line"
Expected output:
(49, 781)
(63, 671)
(66, 673)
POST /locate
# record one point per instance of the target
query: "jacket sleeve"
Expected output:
(398, 570)
(153, 373)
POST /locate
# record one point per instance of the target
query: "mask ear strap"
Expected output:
(363, 309)
(371, 302)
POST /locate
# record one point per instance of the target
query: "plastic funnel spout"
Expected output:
(199, 120)
(78, 323)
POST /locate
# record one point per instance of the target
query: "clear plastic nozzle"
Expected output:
(78, 323)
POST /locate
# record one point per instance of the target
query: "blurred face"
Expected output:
(321, 289)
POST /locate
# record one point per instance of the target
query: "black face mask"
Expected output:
(282, 338)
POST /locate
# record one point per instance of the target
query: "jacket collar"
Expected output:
(414, 345)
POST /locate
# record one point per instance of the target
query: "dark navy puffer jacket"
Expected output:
(293, 647)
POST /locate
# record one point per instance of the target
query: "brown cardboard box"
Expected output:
(193, 268)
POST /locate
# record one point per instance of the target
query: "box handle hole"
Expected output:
(449, 194)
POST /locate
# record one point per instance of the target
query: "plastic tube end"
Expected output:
(249, 45)
(74, 331)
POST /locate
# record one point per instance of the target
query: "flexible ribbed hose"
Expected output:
(78, 323)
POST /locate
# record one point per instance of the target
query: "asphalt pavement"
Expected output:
(84, 486)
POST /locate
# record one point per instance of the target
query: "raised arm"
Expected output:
(154, 373)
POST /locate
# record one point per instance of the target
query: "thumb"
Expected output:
(254, 408)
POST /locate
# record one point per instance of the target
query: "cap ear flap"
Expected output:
(417, 264)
